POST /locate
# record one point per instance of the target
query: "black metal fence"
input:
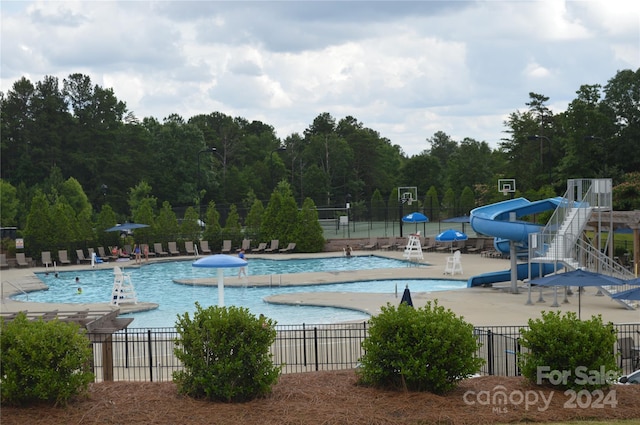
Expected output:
(147, 354)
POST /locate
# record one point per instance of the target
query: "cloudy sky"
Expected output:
(405, 69)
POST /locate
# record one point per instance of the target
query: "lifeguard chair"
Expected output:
(413, 250)
(123, 290)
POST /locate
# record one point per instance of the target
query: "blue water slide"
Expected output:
(494, 220)
(505, 275)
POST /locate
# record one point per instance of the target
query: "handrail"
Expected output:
(16, 287)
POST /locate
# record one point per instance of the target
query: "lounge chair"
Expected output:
(289, 248)
(157, 247)
(391, 243)
(63, 257)
(3, 261)
(173, 248)
(188, 246)
(428, 245)
(204, 247)
(21, 260)
(81, 257)
(274, 246)
(246, 245)
(226, 246)
(46, 258)
(373, 244)
(260, 248)
(479, 246)
(103, 255)
(146, 251)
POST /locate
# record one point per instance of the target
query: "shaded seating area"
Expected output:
(189, 248)
(274, 246)
(3, 261)
(226, 246)
(260, 248)
(63, 257)
(157, 247)
(173, 248)
(204, 247)
(289, 248)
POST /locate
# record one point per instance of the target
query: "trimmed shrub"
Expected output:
(581, 349)
(43, 361)
(424, 349)
(225, 353)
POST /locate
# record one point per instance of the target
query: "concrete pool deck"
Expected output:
(479, 306)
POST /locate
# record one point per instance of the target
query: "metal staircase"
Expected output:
(563, 241)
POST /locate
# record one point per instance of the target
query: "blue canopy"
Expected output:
(415, 217)
(451, 235)
(218, 261)
(629, 294)
(126, 227)
(578, 278)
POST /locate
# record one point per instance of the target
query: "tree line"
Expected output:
(86, 132)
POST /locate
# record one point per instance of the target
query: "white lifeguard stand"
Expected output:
(123, 290)
(413, 250)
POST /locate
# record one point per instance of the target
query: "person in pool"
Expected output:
(79, 291)
(242, 270)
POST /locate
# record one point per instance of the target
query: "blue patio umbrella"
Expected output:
(220, 262)
(452, 235)
(415, 217)
(580, 278)
(125, 227)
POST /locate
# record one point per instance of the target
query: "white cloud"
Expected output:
(405, 69)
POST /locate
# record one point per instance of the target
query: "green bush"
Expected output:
(580, 349)
(225, 353)
(43, 361)
(425, 349)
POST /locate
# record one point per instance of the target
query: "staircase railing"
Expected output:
(558, 238)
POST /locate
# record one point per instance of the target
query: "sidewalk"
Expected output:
(479, 306)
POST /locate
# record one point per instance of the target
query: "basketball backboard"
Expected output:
(506, 186)
(407, 194)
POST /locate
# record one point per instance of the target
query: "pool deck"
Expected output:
(479, 306)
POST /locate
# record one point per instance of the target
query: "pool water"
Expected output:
(154, 283)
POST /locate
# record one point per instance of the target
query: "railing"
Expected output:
(148, 354)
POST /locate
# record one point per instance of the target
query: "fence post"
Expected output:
(315, 345)
(304, 344)
(490, 352)
(149, 345)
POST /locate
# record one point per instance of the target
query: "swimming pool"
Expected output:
(154, 283)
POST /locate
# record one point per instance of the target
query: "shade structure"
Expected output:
(452, 235)
(579, 278)
(220, 262)
(406, 297)
(415, 217)
(630, 294)
(462, 219)
(125, 227)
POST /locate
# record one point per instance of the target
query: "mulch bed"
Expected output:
(333, 398)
